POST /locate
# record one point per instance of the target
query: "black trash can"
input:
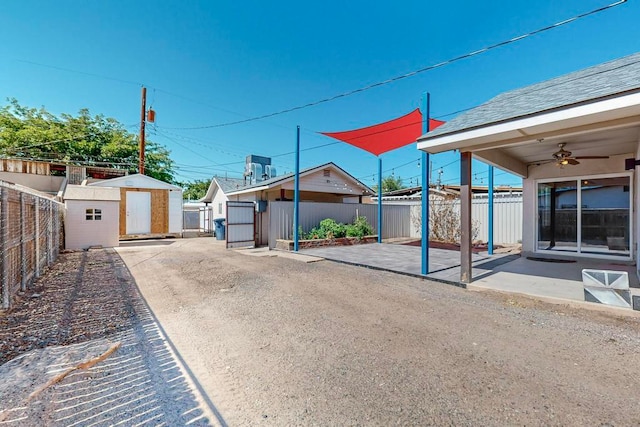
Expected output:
(219, 228)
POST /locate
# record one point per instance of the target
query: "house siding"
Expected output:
(219, 198)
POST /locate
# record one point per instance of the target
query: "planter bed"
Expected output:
(287, 245)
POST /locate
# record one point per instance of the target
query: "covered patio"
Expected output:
(574, 140)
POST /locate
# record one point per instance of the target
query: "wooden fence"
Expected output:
(30, 238)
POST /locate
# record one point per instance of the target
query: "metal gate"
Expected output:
(240, 225)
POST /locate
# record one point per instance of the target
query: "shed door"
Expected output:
(240, 230)
(138, 212)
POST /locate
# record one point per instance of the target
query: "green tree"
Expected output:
(83, 139)
(390, 183)
(196, 189)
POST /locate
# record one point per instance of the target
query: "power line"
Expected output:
(412, 73)
(101, 76)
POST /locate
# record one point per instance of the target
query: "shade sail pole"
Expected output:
(490, 240)
(426, 100)
(379, 199)
(296, 194)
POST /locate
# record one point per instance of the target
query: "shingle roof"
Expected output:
(230, 184)
(600, 81)
(277, 179)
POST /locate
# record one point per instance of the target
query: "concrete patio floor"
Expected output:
(502, 272)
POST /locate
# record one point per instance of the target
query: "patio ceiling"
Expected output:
(609, 142)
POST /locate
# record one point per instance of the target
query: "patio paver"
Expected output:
(502, 272)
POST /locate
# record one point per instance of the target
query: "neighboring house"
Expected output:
(565, 137)
(148, 207)
(217, 193)
(443, 191)
(92, 216)
(324, 183)
(51, 177)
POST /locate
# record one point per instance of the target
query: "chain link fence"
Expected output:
(30, 237)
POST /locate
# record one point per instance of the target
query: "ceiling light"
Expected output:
(564, 162)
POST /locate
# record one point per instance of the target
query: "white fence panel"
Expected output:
(507, 217)
(396, 218)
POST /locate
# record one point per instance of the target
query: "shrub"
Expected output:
(333, 229)
(330, 229)
(359, 228)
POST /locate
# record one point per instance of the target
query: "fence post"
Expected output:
(4, 246)
(23, 243)
(49, 234)
(36, 204)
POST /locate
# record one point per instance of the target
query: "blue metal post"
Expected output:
(296, 194)
(425, 187)
(490, 242)
(379, 199)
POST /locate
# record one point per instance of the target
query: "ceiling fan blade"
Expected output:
(573, 162)
(591, 157)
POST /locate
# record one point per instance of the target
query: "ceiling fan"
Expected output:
(563, 157)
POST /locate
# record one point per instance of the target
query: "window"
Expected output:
(219, 208)
(587, 215)
(93, 214)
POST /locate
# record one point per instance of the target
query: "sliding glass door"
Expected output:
(588, 215)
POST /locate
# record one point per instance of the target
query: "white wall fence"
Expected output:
(396, 222)
(507, 217)
(398, 217)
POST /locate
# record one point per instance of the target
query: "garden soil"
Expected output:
(275, 341)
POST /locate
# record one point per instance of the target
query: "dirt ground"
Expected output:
(85, 319)
(276, 341)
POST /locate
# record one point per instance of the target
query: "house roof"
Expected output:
(83, 192)
(269, 183)
(588, 85)
(233, 185)
(230, 184)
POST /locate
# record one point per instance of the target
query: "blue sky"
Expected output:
(212, 62)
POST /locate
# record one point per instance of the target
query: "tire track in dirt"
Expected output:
(64, 324)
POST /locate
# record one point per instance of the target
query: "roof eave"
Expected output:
(615, 111)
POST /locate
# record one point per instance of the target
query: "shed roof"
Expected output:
(84, 192)
(136, 180)
(584, 86)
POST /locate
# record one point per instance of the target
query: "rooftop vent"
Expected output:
(258, 168)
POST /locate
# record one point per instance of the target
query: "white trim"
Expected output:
(579, 253)
(598, 111)
(248, 190)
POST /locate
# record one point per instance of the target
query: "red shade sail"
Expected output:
(387, 136)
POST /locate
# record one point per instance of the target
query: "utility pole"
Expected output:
(142, 123)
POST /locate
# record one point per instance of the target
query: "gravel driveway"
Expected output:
(86, 303)
(276, 341)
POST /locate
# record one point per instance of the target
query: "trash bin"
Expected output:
(219, 228)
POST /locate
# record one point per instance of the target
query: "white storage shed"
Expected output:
(148, 207)
(92, 216)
